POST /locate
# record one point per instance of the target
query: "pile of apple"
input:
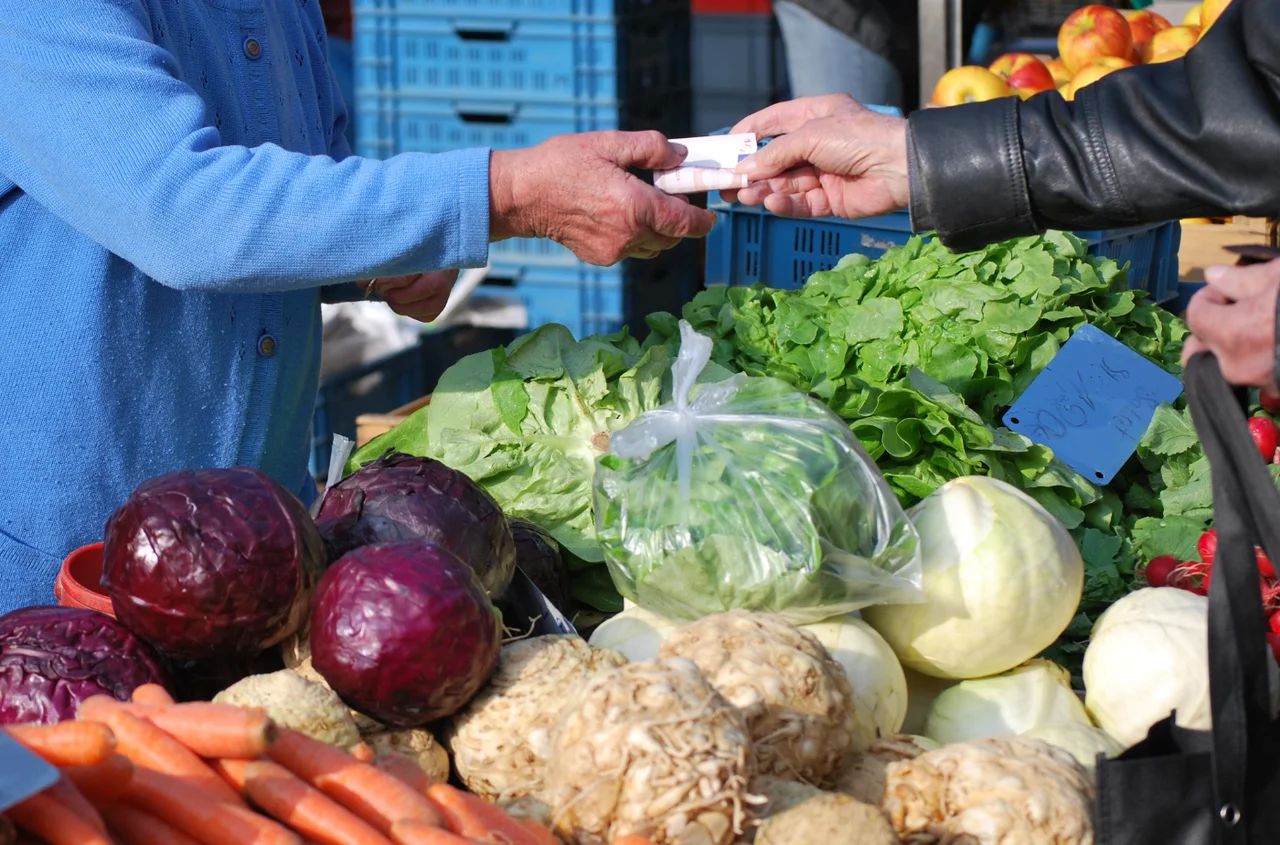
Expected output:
(1093, 42)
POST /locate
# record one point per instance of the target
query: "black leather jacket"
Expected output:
(1197, 137)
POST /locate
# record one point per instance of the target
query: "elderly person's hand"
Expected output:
(575, 189)
(421, 296)
(1234, 317)
(829, 156)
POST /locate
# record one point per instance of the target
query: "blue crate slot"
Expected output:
(750, 245)
(388, 126)
(600, 60)
(532, 9)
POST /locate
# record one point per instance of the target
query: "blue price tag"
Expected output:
(1092, 404)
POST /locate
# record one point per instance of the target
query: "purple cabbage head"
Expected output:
(404, 632)
(53, 658)
(399, 497)
(538, 556)
(212, 563)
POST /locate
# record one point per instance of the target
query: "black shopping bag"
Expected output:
(1180, 787)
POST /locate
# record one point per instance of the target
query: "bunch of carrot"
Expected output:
(153, 772)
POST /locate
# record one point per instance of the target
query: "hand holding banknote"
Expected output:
(575, 190)
(829, 156)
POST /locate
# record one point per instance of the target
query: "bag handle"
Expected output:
(1246, 510)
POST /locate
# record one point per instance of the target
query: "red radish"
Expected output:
(1273, 622)
(1270, 402)
(1208, 545)
(1266, 436)
(1264, 564)
(1273, 640)
(1159, 570)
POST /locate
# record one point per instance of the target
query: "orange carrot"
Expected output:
(202, 816)
(48, 818)
(403, 769)
(373, 795)
(211, 730)
(152, 694)
(475, 818)
(73, 799)
(412, 832)
(135, 827)
(148, 747)
(363, 752)
(105, 782)
(66, 743)
(283, 795)
(545, 836)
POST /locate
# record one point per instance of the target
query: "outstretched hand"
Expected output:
(1234, 317)
(829, 156)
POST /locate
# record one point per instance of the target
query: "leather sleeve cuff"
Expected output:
(966, 173)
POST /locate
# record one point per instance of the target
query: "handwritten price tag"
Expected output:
(1093, 403)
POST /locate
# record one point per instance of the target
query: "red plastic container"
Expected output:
(78, 582)
(732, 7)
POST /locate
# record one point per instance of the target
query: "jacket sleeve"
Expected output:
(96, 128)
(1195, 137)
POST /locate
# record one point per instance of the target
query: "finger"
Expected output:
(415, 294)
(647, 150)
(782, 154)
(781, 118)
(386, 283)
(797, 181)
(729, 196)
(1191, 347)
(1246, 282)
(665, 215)
(797, 205)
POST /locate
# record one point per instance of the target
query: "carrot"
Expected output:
(202, 816)
(104, 782)
(66, 743)
(403, 769)
(373, 795)
(73, 799)
(545, 836)
(148, 747)
(135, 827)
(48, 818)
(413, 832)
(362, 752)
(211, 730)
(152, 694)
(475, 818)
(278, 792)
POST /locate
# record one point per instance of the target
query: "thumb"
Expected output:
(1237, 283)
(780, 155)
(648, 151)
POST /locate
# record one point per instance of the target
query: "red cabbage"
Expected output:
(53, 658)
(538, 556)
(212, 563)
(404, 632)
(399, 497)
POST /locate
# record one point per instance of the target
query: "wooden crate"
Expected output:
(1203, 244)
(369, 426)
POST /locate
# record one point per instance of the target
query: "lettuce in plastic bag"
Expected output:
(748, 494)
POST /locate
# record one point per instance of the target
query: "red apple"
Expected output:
(1143, 25)
(1169, 44)
(1091, 33)
(1024, 73)
(969, 84)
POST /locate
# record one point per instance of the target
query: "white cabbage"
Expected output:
(1079, 739)
(1035, 694)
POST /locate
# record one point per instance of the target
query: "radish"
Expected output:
(1264, 564)
(1273, 622)
(1208, 545)
(1266, 436)
(1159, 570)
(1270, 402)
(1273, 640)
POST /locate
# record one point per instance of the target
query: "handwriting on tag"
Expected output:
(1092, 404)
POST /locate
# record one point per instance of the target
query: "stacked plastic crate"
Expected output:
(439, 75)
(738, 63)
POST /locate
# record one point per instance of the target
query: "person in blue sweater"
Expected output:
(177, 196)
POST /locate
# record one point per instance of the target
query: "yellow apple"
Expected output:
(969, 84)
(1061, 76)
(1210, 11)
(1192, 18)
(1094, 32)
(1172, 43)
(1092, 73)
(1143, 25)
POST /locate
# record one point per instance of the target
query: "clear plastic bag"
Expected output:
(746, 493)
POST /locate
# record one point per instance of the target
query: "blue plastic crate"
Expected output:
(388, 383)
(598, 300)
(532, 9)
(392, 125)
(577, 56)
(750, 245)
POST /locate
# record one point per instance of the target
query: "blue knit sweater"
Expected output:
(175, 190)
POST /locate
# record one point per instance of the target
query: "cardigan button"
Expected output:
(266, 346)
(252, 48)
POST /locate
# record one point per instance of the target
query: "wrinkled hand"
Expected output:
(421, 296)
(829, 156)
(1234, 317)
(575, 190)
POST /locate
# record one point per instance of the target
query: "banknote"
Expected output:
(709, 165)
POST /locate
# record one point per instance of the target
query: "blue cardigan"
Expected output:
(175, 190)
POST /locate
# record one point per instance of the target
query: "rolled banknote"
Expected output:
(698, 180)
